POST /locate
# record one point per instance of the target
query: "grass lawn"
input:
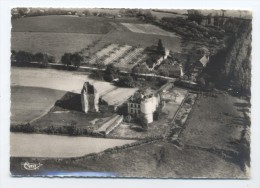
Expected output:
(216, 122)
(157, 160)
(28, 103)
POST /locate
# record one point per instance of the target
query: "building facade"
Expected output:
(143, 104)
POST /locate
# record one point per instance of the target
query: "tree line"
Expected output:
(22, 58)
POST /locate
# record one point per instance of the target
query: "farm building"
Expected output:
(95, 99)
(141, 68)
(144, 104)
(154, 59)
(174, 70)
(109, 125)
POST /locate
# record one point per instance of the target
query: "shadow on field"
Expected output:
(70, 101)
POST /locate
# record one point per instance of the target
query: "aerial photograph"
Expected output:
(130, 93)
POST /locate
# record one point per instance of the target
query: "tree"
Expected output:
(160, 48)
(86, 12)
(195, 15)
(149, 17)
(42, 58)
(126, 81)
(22, 11)
(23, 57)
(51, 59)
(76, 59)
(100, 65)
(111, 72)
(66, 59)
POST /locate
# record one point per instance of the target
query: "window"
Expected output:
(132, 111)
(131, 105)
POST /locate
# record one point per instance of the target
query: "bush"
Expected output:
(25, 128)
(189, 101)
(126, 81)
(73, 130)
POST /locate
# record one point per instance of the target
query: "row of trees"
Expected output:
(74, 59)
(142, 14)
(23, 58)
(28, 12)
(191, 30)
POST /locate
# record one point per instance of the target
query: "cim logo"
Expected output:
(31, 166)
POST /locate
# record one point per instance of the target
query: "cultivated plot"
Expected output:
(147, 29)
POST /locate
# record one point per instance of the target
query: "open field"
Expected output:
(157, 160)
(29, 103)
(39, 145)
(216, 122)
(62, 24)
(55, 44)
(157, 128)
(147, 29)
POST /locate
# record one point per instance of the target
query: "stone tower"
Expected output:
(89, 98)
